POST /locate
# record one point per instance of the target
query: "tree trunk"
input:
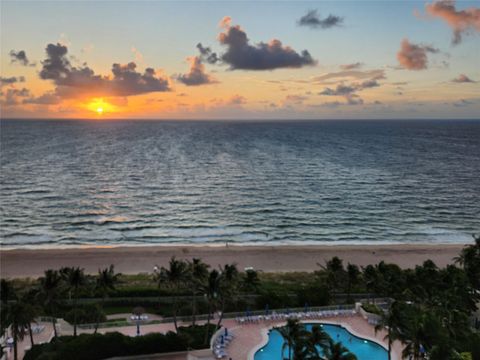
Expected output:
(30, 333)
(221, 315)
(175, 314)
(97, 323)
(75, 314)
(15, 339)
(389, 348)
(54, 320)
(208, 323)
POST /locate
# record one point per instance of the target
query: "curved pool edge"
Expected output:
(265, 336)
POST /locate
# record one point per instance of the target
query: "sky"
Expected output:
(240, 59)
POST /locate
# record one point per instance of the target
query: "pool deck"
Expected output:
(251, 337)
(248, 338)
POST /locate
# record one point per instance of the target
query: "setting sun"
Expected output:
(100, 107)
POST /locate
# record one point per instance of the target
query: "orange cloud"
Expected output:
(414, 57)
(459, 20)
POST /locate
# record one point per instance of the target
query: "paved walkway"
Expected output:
(246, 337)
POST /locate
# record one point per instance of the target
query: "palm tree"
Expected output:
(336, 351)
(198, 272)
(49, 293)
(335, 274)
(414, 337)
(106, 281)
(7, 293)
(227, 287)
(75, 280)
(211, 293)
(31, 310)
(469, 258)
(353, 274)
(391, 323)
(251, 280)
(18, 317)
(293, 334)
(173, 277)
(318, 339)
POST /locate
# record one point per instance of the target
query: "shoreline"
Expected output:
(18, 263)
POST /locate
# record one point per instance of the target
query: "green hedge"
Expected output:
(372, 308)
(101, 346)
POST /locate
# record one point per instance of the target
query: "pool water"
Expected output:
(363, 349)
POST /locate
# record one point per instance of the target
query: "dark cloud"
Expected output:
(207, 55)
(461, 21)
(368, 84)
(237, 100)
(74, 81)
(340, 90)
(462, 78)
(241, 54)
(11, 80)
(353, 66)
(45, 99)
(11, 96)
(349, 92)
(20, 57)
(313, 20)
(413, 56)
(196, 76)
(354, 74)
(296, 99)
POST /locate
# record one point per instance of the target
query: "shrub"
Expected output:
(372, 308)
(101, 346)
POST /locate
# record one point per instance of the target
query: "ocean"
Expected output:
(75, 183)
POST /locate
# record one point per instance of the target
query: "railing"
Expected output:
(229, 315)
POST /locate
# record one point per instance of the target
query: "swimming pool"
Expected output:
(363, 349)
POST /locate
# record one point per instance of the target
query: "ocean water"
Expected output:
(72, 183)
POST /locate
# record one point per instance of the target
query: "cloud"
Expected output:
(241, 54)
(349, 92)
(376, 74)
(353, 66)
(137, 54)
(413, 56)
(462, 78)
(461, 21)
(368, 84)
(74, 81)
(11, 96)
(312, 20)
(340, 90)
(45, 99)
(295, 99)
(20, 57)
(237, 100)
(11, 80)
(207, 54)
(88, 48)
(196, 75)
(462, 103)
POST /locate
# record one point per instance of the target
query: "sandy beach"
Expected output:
(133, 260)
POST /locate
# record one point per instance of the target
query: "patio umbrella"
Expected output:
(226, 332)
(222, 340)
